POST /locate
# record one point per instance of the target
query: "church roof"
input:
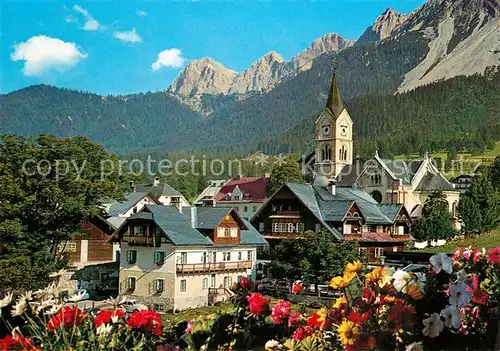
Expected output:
(434, 182)
(334, 102)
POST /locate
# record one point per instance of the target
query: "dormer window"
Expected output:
(140, 230)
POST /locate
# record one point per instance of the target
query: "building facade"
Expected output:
(174, 260)
(163, 193)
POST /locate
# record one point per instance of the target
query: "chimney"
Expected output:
(132, 186)
(194, 216)
(331, 186)
(156, 181)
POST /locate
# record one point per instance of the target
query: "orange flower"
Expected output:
(400, 315)
(380, 275)
(414, 292)
(341, 300)
(318, 319)
(353, 267)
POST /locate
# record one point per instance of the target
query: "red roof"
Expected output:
(253, 188)
(376, 237)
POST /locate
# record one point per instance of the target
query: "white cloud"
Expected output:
(90, 22)
(42, 53)
(141, 13)
(168, 58)
(130, 36)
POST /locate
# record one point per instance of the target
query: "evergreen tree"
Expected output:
(286, 172)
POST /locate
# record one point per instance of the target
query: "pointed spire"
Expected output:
(334, 102)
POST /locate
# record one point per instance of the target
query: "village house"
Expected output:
(206, 198)
(174, 260)
(347, 213)
(119, 210)
(163, 193)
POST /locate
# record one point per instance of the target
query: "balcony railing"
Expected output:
(141, 240)
(213, 267)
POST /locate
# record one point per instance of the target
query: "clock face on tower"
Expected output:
(343, 130)
(326, 130)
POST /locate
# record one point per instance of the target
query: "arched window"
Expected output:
(326, 153)
(345, 154)
(454, 209)
(340, 154)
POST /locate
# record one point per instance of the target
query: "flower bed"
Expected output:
(449, 306)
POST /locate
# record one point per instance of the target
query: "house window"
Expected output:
(401, 230)
(317, 227)
(227, 282)
(131, 283)
(364, 229)
(159, 285)
(249, 255)
(236, 208)
(134, 210)
(183, 285)
(226, 256)
(184, 257)
(261, 227)
(214, 257)
(362, 250)
(255, 209)
(239, 255)
(205, 284)
(159, 307)
(302, 227)
(140, 230)
(234, 232)
(204, 258)
(347, 229)
(245, 209)
(395, 249)
(227, 233)
(380, 229)
(212, 280)
(379, 251)
(131, 256)
(159, 257)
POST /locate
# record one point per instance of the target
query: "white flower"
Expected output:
(53, 310)
(272, 345)
(460, 295)
(57, 274)
(44, 304)
(115, 302)
(77, 297)
(6, 300)
(104, 329)
(401, 280)
(432, 326)
(416, 346)
(28, 295)
(452, 317)
(441, 262)
(115, 318)
(19, 307)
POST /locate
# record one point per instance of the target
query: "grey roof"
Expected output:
(210, 217)
(390, 210)
(207, 217)
(348, 175)
(142, 215)
(334, 211)
(401, 169)
(163, 189)
(119, 207)
(306, 194)
(434, 182)
(176, 226)
(252, 236)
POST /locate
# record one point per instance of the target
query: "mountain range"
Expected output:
(209, 105)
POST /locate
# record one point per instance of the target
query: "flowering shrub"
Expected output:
(450, 305)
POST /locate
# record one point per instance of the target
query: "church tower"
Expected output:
(333, 137)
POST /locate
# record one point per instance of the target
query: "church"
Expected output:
(407, 182)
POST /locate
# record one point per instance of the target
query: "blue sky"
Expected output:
(111, 47)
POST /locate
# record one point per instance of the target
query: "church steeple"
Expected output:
(334, 102)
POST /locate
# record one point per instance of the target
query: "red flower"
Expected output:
(244, 282)
(297, 287)
(257, 304)
(294, 319)
(476, 255)
(302, 332)
(358, 318)
(105, 316)
(280, 311)
(19, 343)
(467, 253)
(494, 255)
(67, 317)
(479, 295)
(457, 253)
(146, 320)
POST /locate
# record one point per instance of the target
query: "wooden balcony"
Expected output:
(141, 240)
(213, 267)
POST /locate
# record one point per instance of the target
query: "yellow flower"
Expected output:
(338, 283)
(353, 267)
(339, 301)
(349, 276)
(380, 275)
(348, 332)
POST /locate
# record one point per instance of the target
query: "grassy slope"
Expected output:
(485, 240)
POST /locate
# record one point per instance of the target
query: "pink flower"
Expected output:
(257, 304)
(280, 311)
(476, 255)
(189, 327)
(467, 253)
(244, 282)
(479, 295)
(302, 332)
(494, 255)
(297, 287)
(294, 319)
(457, 253)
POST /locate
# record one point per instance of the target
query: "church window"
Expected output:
(326, 153)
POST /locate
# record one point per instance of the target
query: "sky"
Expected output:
(125, 47)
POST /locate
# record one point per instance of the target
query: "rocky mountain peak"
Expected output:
(384, 26)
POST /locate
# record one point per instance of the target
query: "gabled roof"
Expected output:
(253, 188)
(119, 207)
(163, 189)
(391, 210)
(176, 226)
(211, 217)
(434, 182)
(334, 211)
